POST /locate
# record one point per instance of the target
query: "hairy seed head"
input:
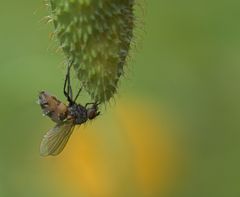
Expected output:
(96, 35)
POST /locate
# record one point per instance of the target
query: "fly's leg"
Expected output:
(68, 88)
(64, 89)
(69, 81)
(79, 91)
(95, 103)
(67, 84)
(89, 104)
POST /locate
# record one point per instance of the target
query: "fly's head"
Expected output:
(92, 111)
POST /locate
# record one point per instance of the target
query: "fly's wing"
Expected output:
(56, 139)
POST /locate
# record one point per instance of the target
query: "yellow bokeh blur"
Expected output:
(140, 159)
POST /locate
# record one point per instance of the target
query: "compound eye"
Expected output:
(92, 113)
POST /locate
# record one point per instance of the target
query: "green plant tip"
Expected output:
(96, 35)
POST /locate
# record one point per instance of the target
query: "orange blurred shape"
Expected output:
(153, 149)
(126, 153)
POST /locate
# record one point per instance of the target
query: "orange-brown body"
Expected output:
(52, 107)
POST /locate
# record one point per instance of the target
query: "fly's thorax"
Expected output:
(78, 113)
(52, 107)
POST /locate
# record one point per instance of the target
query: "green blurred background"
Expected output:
(173, 130)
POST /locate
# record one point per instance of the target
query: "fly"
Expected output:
(66, 117)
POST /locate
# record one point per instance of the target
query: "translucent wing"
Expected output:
(56, 139)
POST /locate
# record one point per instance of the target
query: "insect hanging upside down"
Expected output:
(66, 117)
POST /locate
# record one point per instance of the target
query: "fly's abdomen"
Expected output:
(52, 107)
(97, 35)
